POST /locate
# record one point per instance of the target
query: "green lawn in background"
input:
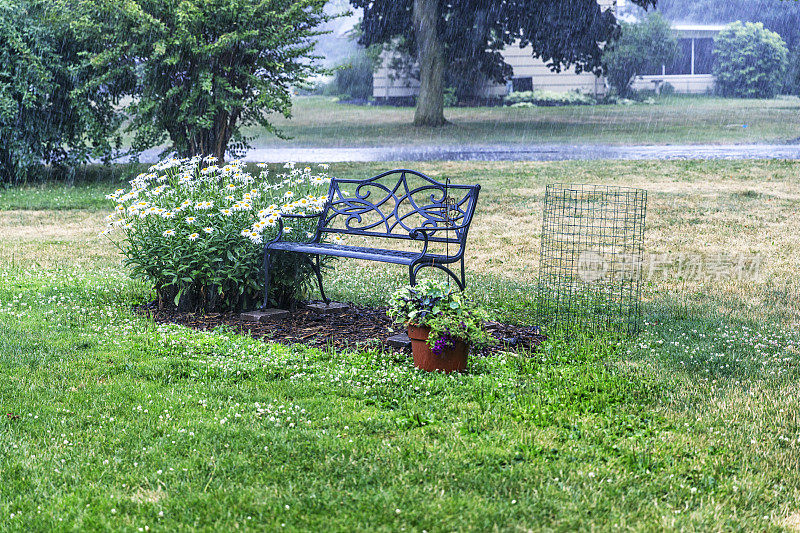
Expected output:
(681, 119)
(123, 424)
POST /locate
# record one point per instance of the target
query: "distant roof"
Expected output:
(681, 26)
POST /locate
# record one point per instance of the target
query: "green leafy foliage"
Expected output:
(472, 34)
(195, 231)
(205, 69)
(418, 303)
(749, 61)
(48, 114)
(641, 46)
(354, 78)
(792, 83)
(449, 313)
(539, 97)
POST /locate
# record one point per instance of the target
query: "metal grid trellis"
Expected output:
(590, 269)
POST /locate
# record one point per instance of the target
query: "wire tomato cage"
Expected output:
(590, 267)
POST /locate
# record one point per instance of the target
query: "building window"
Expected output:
(653, 70)
(683, 60)
(522, 84)
(703, 58)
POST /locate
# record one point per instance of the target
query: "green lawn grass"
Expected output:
(123, 424)
(680, 119)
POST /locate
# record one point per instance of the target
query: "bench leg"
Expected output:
(318, 271)
(266, 279)
(293, 302)
(413, 269)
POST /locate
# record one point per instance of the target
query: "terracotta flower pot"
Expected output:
(452, 359)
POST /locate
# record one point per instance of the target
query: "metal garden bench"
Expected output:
(400, 205)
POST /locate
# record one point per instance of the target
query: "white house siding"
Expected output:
(386, 85)
(527, 66)
(683, 83)
(524, 65)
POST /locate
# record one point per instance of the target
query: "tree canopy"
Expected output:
(205, 69)
(641, 46)
(467, 36)
(48, 111)
(189, 73)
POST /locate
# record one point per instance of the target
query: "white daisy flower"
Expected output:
(169, 233)
(194, 236)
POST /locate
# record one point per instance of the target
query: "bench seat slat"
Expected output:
(355, 252)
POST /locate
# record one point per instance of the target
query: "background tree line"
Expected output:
(78, 75)
(75, 75)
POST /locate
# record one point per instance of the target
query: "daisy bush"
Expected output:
(196, 231)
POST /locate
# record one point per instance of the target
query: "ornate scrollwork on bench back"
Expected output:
(395, 203)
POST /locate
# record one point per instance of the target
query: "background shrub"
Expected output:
(791, 83)
(354, 79)
(666, 89)
(749, 61)
(641, 46)
(48, 114)
(538, 97)
(195, 231)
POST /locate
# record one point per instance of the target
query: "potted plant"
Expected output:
(442, 324)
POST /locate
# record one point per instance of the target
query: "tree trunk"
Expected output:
(430, 103)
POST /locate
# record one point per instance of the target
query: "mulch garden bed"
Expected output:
(357, 327)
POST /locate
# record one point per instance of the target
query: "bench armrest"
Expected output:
(416, 232)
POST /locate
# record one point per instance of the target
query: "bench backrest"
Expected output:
(394, 203)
